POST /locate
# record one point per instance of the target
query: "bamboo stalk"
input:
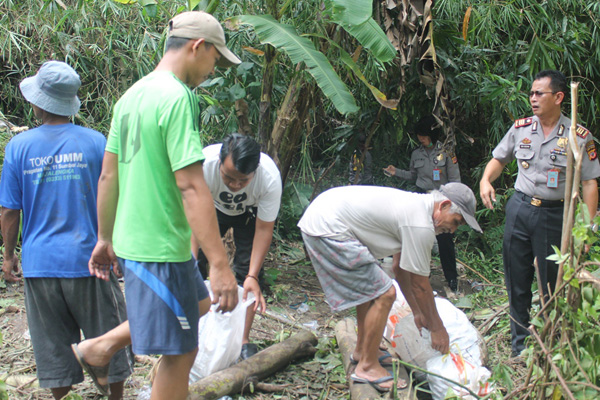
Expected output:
(566, 233)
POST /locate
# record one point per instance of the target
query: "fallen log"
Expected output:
(263, 364)
(345, 334)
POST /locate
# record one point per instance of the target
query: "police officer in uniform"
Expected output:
(432, 167)
(534, 213)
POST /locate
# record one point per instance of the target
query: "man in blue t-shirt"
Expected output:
(50, 175)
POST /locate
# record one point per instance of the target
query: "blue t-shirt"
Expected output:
(51, 173)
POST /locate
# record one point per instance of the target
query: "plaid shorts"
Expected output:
(348, 272)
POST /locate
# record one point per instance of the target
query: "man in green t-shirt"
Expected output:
(152, 197)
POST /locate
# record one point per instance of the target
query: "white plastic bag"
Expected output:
(415, 348)
(219, 337)
(453, 366)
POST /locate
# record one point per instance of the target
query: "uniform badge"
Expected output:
(561, 130)
(534, 127)
(454, 160)
(525, 164)
(562, 142)
(523, 122)
(440, 157)
(526, 141)
(590, 148)
(582, 132)
(524, 146)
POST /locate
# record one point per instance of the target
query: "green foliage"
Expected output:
(294, 200)
(355, 17)
(73, 396)
(109, 44)
(3, 391)
(271, 275)
(302, 50)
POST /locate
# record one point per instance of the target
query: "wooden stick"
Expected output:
(566, 233)
(474, 271)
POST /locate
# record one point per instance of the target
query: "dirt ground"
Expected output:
(293, 288)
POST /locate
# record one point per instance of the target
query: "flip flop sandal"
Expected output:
(93, 372)
(375, 383)
(381, 358)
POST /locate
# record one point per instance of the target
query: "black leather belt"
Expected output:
(534, 201)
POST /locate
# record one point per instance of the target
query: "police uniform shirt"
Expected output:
(542, 162)
(431, 168)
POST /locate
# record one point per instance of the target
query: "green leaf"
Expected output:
(372, 37)
(355, 17)
(237, 92)
(347, 59)
(351, 12)
(300, 49)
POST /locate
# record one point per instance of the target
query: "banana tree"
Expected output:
(355, 18)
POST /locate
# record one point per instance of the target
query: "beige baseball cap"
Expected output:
(201, 25)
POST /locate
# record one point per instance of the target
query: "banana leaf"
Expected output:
(300, 49)
(351, 12)
(355, 17)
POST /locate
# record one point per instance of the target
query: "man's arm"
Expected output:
(423, 294)
(418, 293)
(10, 221)
(589, 193)
(492, 171)
(201, 215)
(103, 255)
(404, 281)
(263, 235)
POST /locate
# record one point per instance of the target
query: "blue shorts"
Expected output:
(162, 305)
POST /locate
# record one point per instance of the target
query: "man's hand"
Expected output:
(103, 257)
(487, 193)
(390, 170)
(251, 286)
(224, 288)
(440, 341)
(11, 266)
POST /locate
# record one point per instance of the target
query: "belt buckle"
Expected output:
(536, 202)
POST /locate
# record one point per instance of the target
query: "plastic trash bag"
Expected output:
(219, 337)
(414, 347)
(454, 366)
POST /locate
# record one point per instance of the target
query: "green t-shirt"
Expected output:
(154, 132)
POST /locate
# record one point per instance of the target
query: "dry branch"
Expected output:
(267, 362)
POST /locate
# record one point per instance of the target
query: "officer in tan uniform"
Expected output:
(431, 167)
(534, 213)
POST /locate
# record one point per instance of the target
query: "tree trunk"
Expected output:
(264, 117)
(267, 362)
(345, 334)
(287, 131)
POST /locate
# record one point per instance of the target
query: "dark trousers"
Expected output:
(529, 232)
(447, 256)
(243, 236)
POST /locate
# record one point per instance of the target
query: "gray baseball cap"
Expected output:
(53, 89)
(461, 195)
(201, 25)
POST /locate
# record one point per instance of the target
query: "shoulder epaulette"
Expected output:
(523, 122)
(582, 132)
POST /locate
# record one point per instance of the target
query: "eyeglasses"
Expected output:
(537, 93)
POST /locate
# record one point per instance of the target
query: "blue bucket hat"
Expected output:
(53, 89)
